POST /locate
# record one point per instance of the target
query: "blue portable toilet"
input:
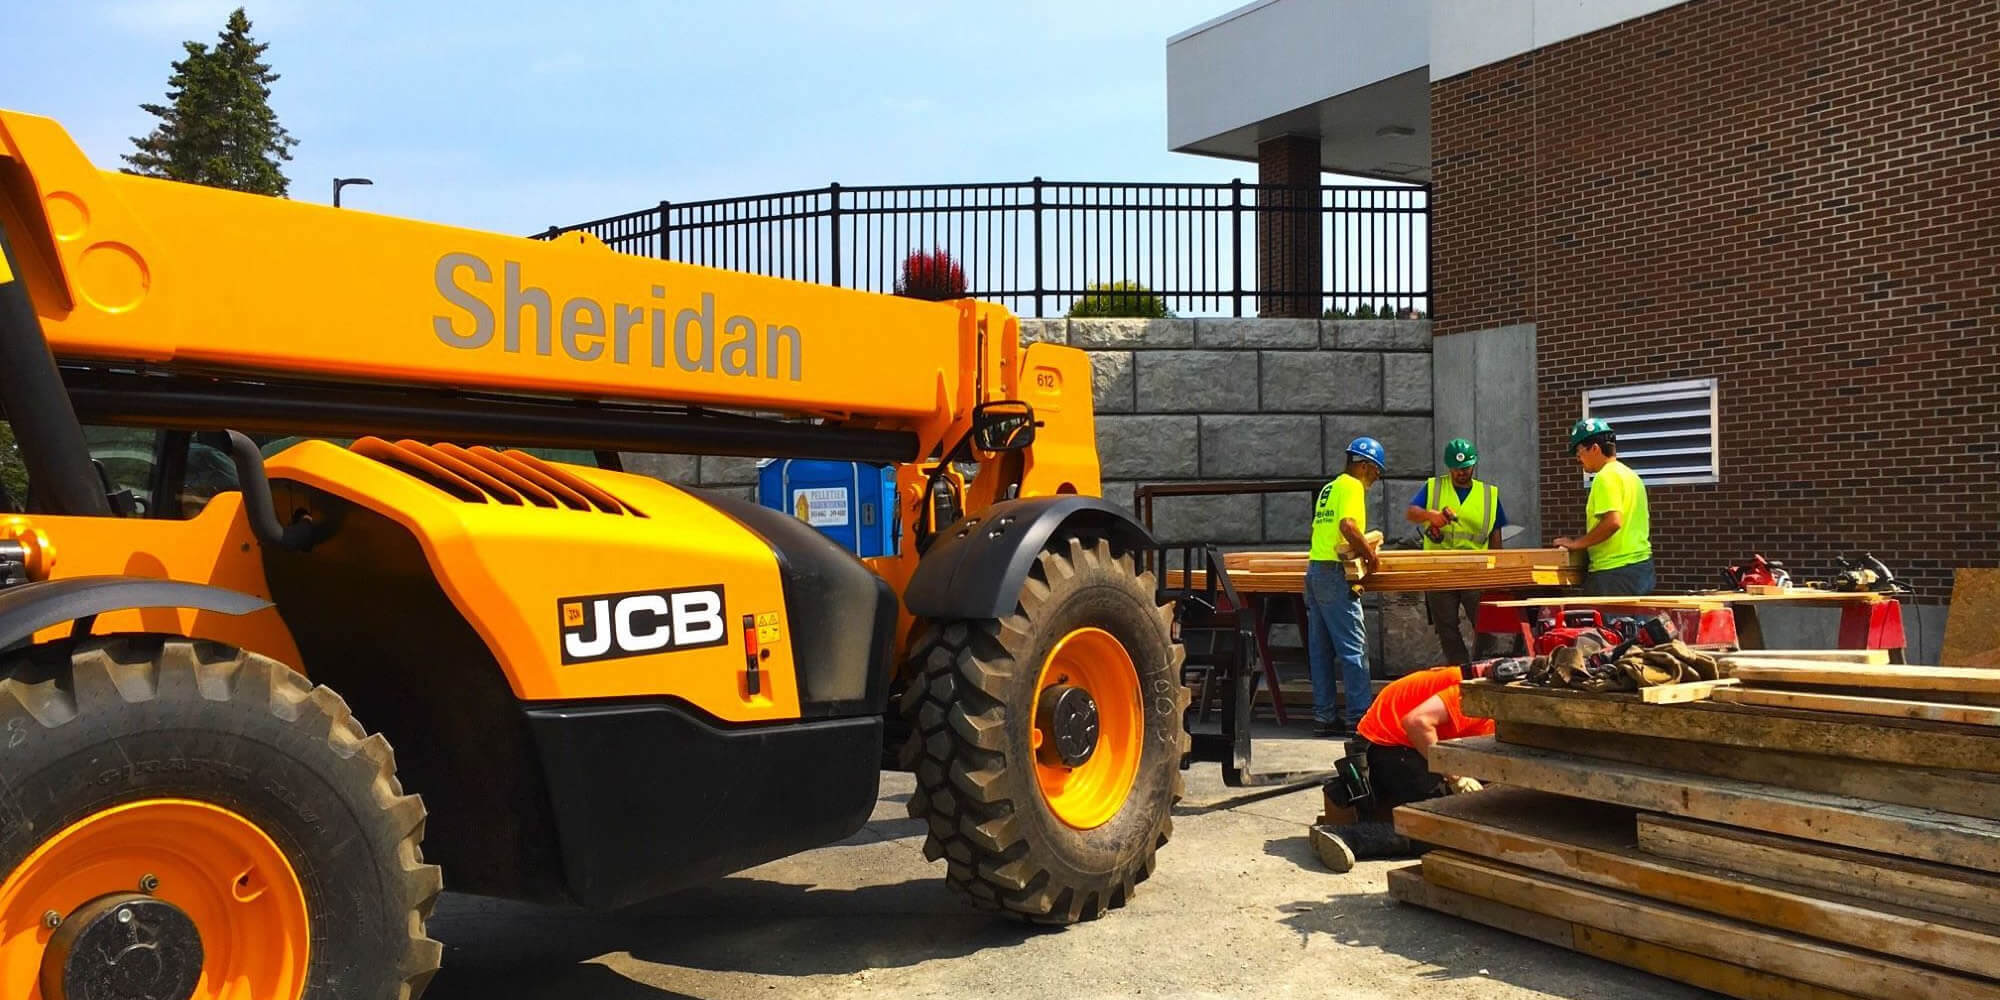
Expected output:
(853, 503)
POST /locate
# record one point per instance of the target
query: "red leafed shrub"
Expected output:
(931, 275)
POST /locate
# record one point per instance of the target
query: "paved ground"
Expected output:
(1239, 907)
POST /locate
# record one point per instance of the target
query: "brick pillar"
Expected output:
(1288, 226)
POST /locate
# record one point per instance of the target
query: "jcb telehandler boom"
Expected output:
(283, 498)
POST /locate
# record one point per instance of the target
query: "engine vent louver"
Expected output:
(483, 475)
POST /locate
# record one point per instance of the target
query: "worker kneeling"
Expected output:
(1409, 717)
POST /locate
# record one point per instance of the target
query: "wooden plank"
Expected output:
(1973, 715)
(1807, 598)
(1888, 677)
(1972, 627)
(1918, 885)
(1947, 838)
(1548, 834)
(1889, 741)
(1966, 792)
(1935, 697)
(1819, 655)
(1681, 929)
(1408, 885)
(1698, 970)
(1675, 694)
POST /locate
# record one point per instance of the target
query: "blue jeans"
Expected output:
(1635, 580)
(1335, 646)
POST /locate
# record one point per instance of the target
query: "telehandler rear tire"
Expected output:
(212, 813)
(1047, 744)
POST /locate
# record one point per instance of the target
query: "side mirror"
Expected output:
(1003, 425)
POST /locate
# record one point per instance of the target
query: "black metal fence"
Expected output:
(1039, 246)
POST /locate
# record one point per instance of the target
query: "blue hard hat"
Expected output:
(1369, 449)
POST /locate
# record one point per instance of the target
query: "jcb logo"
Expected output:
(609, 626)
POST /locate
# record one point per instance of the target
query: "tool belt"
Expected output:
(1349, 785)
(1628, 667)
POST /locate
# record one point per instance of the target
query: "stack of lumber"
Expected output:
(1459, 569)
(1256, 572)
(1757, 851)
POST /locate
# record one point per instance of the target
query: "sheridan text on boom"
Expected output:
(585, 327)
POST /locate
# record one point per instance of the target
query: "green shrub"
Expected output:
(1120, 298)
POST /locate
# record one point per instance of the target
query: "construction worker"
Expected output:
(1413, 713)
(1619, 533)
(1335, 640)
(1457, 512)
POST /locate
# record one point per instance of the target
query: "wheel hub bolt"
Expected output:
(149, 883)
(124, 916)
(51, 919)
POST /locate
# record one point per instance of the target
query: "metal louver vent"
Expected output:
(483, 475)
(1667, 431)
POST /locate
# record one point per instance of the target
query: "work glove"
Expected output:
(1462, 786)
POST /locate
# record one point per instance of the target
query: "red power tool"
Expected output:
(1758, 572)
(1574, 625)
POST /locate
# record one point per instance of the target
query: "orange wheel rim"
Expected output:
(217, 867)
(1088, 794)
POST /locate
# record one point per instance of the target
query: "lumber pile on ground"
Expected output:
(1757, 850)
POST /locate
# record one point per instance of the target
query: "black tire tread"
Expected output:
(959, 735)
(137, 669)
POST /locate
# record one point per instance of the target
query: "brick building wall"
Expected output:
(1795, 197)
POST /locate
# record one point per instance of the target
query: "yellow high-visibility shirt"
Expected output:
(1339, 500)
(1618, 488)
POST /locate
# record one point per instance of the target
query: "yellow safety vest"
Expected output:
(1475, 513)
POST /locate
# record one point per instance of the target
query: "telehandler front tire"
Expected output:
(1047, 744)
(177, 811)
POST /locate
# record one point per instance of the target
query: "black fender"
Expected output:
(977, 567)
(32, 607)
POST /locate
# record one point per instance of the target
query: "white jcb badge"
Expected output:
(610, 626)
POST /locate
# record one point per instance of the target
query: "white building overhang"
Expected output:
(1351, 73)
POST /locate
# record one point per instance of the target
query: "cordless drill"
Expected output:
(1435, 533)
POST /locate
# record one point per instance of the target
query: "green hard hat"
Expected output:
(1587, 428)
(1460, 454)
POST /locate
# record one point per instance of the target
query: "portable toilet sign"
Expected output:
(821, 506)
(853, 503)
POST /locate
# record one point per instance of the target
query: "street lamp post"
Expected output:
(341, 182)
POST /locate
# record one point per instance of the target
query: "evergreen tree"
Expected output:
(217, 127)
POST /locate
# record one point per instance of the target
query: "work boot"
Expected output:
(1332, 850)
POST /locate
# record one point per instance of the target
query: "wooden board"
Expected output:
(1548, 834)
(1965, 792)
(1886, 677)
(1947, 838)
(1686, 930)
(1918, 885)
(1889, 741)
(1470, 579)
(1807, 598)
(1972, 628)
(1972, 715)
(1816, 655)
(1408, 886)
(1675, 694)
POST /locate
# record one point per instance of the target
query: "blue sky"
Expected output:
(512, 115)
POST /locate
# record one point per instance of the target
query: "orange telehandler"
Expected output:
(292, 485)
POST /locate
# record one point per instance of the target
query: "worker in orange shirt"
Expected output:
(1413, 714)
